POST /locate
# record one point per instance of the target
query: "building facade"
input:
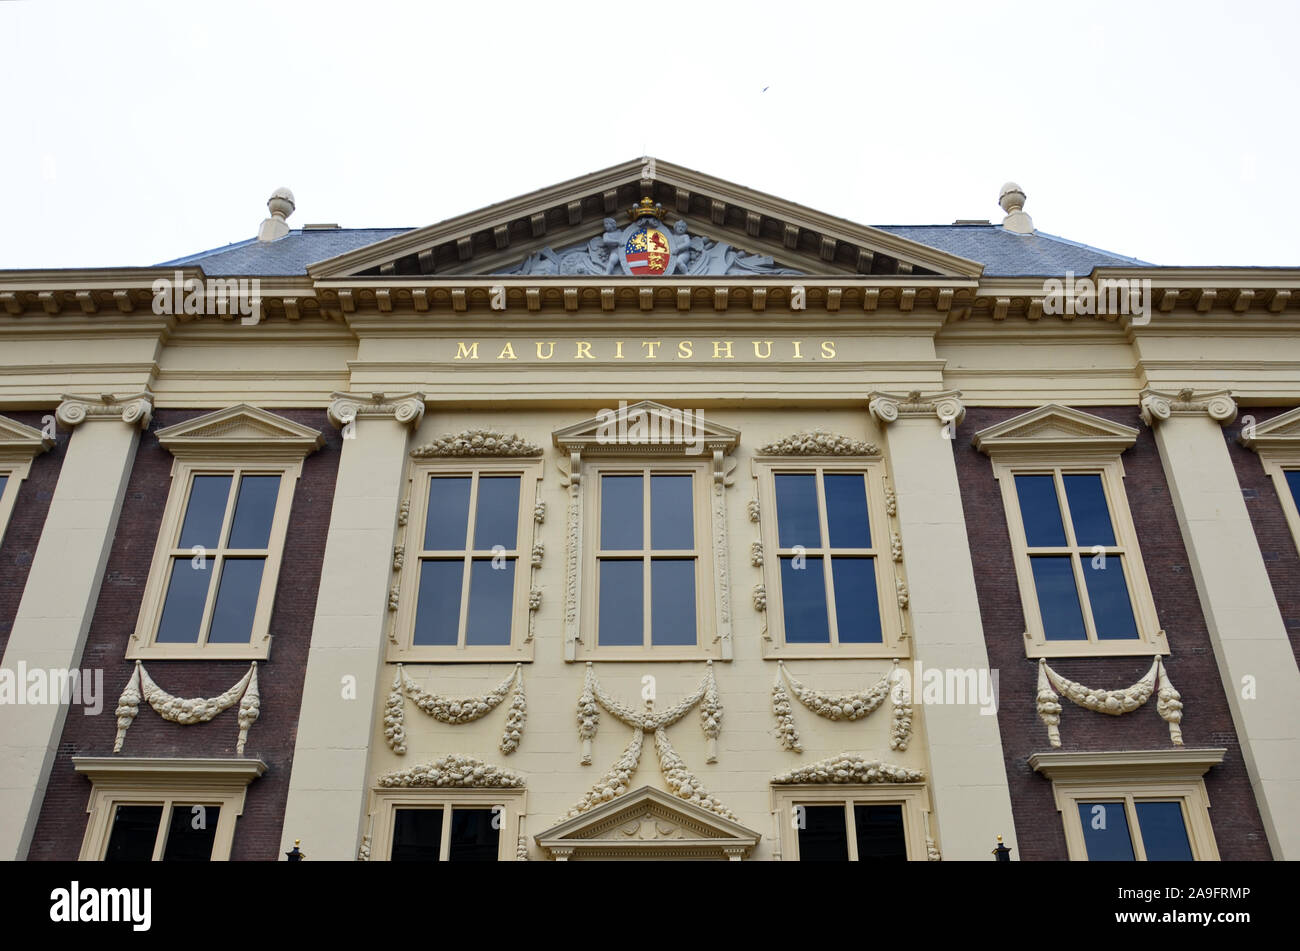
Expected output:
(648, 516)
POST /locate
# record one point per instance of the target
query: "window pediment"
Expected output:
(1052, 430)
(19, 442)
(648, 823)
(1279, 433)
(645, 428)
(241, 429)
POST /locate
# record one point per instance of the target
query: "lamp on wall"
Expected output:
(297, 855)
(1001, 853)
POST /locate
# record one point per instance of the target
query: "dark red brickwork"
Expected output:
(27, 520)
(62, 823)
(1191, 666)
(1276, 542)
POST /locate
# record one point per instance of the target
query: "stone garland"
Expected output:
(819, 443)
(187, 712)
(454, 711)
(477, 442)
(852, 706)
(456, 771)
(848, 768)
(593, 696)
(684, 784)
(616, 779)
(1112, 702)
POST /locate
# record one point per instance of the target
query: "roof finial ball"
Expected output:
(281, 206)
(1012, 200)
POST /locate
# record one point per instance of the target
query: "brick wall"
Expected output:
(1207, 721)
(1276, 542)
(62, 822)
(27, 521)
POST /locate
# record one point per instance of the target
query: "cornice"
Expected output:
(1157, 406)
(1176, 763)
(142, 769)
(135, 409)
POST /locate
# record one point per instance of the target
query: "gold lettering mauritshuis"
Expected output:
(684, 350)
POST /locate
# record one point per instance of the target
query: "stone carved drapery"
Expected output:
(848, 768)
(852, 706)
(594, 697)
(454, 711)
(1113, 702)
(454, 771)
(187, 712)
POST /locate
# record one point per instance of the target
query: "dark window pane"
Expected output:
(1163, 834)
(135, 829)
(803, 597)
(846, 511)
(187, 593)
(857, 605)
(417, 835)
(822, 836)
(192, 831)
(1105, 832)
(491, 602)
(205, 512)
(472, 837)
(1112, 611)
(448, 515)
(622, 603)
(672, 514)
(880, 833)
(254, 512)
(4, 480)
(437, 612)
(796, 511)
(672, 601)
(1058, 598)
(1293, 483)
(1040, 510)
(621, 509)
(496, 513)
(1087, 501)
(232, 620)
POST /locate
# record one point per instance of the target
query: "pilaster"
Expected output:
(968, 779)
(1250, 643)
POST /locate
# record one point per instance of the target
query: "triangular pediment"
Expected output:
(21, 441)
(240, 429)
(1053, 429)
(501, 237)
(643, 427)
(650, 823)
(1280, 432)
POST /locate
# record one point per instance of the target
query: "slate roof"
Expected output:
(1003, 253)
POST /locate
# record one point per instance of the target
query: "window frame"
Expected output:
(894, 640)
(1151, 637)
(1147, 775)
(140, 781)
(421, 472)
(1277, 463)
(143, 644)
(913, 797)
(15, 473)
(19, 445)
(705, 623)
(385, 801)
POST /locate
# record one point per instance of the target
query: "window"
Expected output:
(649, 590)
(19, 444)
(217, 559)
(458, 825)
(1278, 444)
(160, 810)
(829, 571)
(646, 567)
(853, 824)
(467, 562)
(1145, 806)
(1082, 584)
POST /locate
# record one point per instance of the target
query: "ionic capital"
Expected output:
(1157, 406)
(405, 408)
(946, 406)
(134, 409)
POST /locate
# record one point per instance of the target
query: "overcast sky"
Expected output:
(140, 132)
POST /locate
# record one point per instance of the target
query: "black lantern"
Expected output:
(297, 854)
(1002, 853)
